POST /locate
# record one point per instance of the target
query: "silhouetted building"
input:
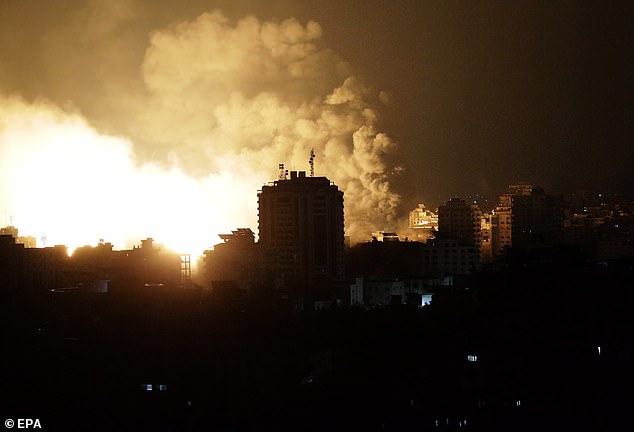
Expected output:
(450, 256)
(237, 259)
(45, 269)
(93, 268)
(301, 230)
(11, 266)
(385, 260)
(385, 292)
(537, 219)
(502, 217)
(459, 220)
(100, 268)
(27, 241)
(501, 229)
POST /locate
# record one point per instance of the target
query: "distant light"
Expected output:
(599, 349)
(162, 387)
(518, 403)
(148, 387)
(472, 358)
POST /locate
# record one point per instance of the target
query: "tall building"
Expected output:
(486, 243)
(502, 217)
(501, 232)
(537, 219)
(461, 221)
(301, 232)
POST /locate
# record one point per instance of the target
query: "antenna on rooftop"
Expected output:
(311, 161)
(283, 172)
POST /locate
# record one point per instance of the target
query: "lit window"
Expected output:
(148, 387)
(472, 358)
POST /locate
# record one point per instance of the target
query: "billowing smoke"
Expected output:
(252, 94)
(221, 104)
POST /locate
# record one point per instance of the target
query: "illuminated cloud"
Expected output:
(181, 157)
(251, 94)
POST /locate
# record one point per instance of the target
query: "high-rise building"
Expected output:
(486, 244)
(537, 219)
(461, 221)
(501, 232)
(301, 231)
(502, 218)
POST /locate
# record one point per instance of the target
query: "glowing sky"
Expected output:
(127, 119)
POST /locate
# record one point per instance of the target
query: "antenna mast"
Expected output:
(311, 161)
(283, 172)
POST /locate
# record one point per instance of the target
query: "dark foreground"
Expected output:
(529, 349)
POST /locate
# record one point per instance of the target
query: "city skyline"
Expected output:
(407, 228)
(122, 121)
(316, 215)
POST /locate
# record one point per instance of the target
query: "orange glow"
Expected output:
(62, 180)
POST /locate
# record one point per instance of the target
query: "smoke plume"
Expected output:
(219, 104)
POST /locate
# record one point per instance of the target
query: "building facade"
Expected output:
(237, 260)
(537, 219)
(423, 223)
(301, 232)
(459, 220)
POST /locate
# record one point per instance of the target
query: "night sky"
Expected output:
(474, 95)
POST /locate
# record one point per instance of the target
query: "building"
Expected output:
(537, 219)
(27, 241)
(11, 267)
(486, 243)
(301, 232)
(501, 232)
(385, 236)
(383, 292)
(423, 223)
(141, 269)
(236, 262)
(448, 256)
(520, 189)
(460, 221)
(502, 218)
